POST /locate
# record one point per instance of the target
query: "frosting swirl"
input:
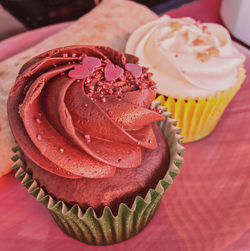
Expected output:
(188, 59)
(83, 111)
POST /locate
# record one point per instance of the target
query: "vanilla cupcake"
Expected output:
(196, 67)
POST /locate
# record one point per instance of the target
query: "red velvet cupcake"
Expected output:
(90, 145)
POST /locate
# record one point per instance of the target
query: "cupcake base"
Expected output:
(85, 226)
(197, 118)
(122, 187)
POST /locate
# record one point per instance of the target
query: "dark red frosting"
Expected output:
(83, 111)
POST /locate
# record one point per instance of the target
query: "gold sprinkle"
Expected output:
(175, 26)
(212, 51)
(203, 56)
(198, 42)
(185, 35)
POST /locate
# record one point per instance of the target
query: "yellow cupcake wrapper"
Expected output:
(85, 226)
(197, 118)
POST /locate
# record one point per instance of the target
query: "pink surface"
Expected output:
(207, 207)
(13, 45)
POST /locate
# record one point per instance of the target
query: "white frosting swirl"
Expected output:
(188, 59)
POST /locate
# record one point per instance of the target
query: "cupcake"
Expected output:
(89, 147)
(196, 67)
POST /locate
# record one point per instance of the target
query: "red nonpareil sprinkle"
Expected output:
(86, 105)
(61, 149)
(112, 72)
(110, 113)
(39, 137)
(110, 91)
(176, 55)
(38, 121)
(106, 86)
(99, 89)
(87, 137)
(103, 100)
(100, 83)
(135, 69)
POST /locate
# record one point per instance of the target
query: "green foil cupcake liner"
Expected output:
(109, 229)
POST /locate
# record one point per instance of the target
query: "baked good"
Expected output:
(81, 116)
(99, 27)
(196, 67)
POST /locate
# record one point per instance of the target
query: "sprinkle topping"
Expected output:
(135, 69)
(61, 149)
(79, 72)
(91, 63)
(87, 137)
(198, 42)
(210, 52)
(203, 56)
(86, 68)
(38, 121)
(100, 78)
(39, 137)
(112, 72)
(185, 35)
(175, 26)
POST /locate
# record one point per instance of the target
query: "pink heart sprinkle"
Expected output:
(79, 72)
(86, 67)
(91, 63)
(112, 72)
(135, 69)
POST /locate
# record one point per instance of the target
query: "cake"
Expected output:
(196, 66)
(83, 119)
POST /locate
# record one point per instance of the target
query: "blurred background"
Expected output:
(17, 16)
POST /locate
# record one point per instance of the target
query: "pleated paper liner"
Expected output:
(197, 118)
(109, 229)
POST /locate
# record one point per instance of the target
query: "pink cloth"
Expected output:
(207, 207)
